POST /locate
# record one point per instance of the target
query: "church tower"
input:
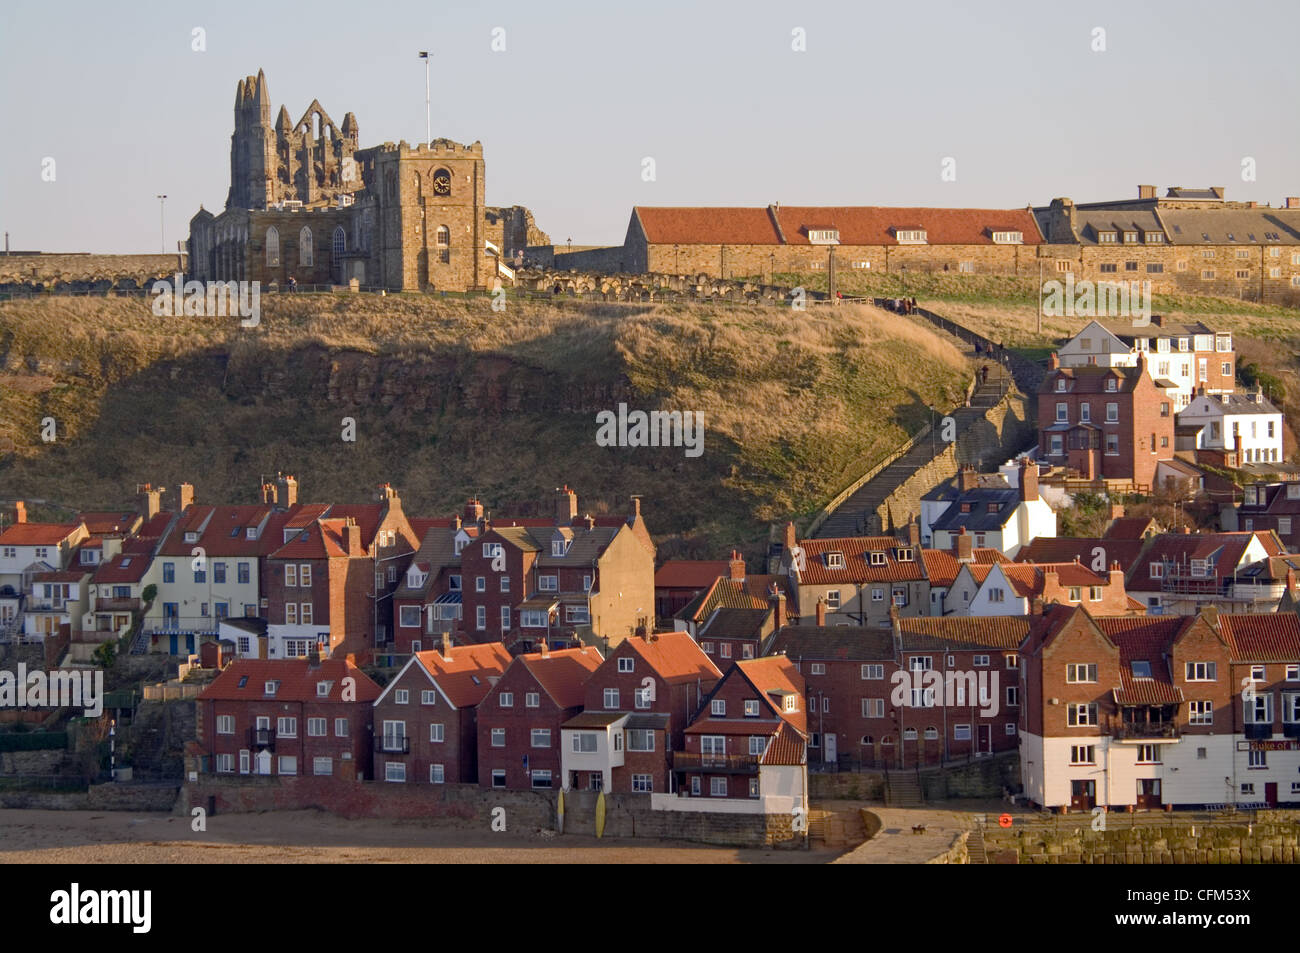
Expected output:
(253, 159)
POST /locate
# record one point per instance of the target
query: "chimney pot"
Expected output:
(965, 546)
(821, 612)
(736, 567)
(446, 646)
(20, 512)
(1053, 361)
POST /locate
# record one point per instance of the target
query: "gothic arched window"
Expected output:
(272, 247)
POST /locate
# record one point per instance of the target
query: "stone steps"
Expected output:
(903, 789)
(975, 848)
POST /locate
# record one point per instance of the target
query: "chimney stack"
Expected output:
(455, 521)
(1053, 361)
(286, 491)
(1036, 607)
(1028, 481)
(388, 496)
(544, 648)
(268, 494)
(788, 538)
(736, 567)
(352, 536)
(1293, 201)
(473, 510)
(968, 479)
(776, 599)
(20, 512)
(965, 546)
(821, 612)
(446, 646)
(914, 534)
(591, 522)
(566, 506)
(636, 507)
(1146, 191)
(148, 500)
(184, 496)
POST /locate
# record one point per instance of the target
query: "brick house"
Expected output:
(678, 581)
(288, 717)
(1150, 713)
(748, 742)
(1180, 573)
(25, 550)
(1111, 424)
(1095, 553)
(1269, 506)
(520, 718)
(426, 729)
(654, 684)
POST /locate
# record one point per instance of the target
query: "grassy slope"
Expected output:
(452, 399)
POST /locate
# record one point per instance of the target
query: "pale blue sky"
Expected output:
(711, 90)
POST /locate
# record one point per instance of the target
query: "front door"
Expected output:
(832, 756)
(175, 643)
(264, 762)
(1149, 794)
(985, 745)
(1083, 795)
(1270, 793)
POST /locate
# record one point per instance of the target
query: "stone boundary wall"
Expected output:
(1264, 842)
(86, 272)
(99, 797)
(1006, 428)
(957, 852)
(469, 806)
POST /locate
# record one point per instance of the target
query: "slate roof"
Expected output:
(832, 643)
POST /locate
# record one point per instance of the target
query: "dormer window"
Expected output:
(1111, 384)
(1106, 237)
(270, 688)
(834, 560)
(460, 544)
(323, 689)
(876, 559)
(791, 702)
(250, 533)
(823, 236)
(910, 236)
(1060, 385)
(1008, 238)
(905, 555)
(994, 507)
(191, 537)
(1154, 238)
(1141, 669)
(560, 546)
(1130, 238)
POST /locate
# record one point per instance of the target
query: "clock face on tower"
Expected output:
(442, 182)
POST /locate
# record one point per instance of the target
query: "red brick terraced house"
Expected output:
(1180, 573)
(678, 581)
(1094, 553)
(1109, 425)
(1151, 713)
(746, 750)
(1269, 506)
(426, 729)
(519, 720)
(288, 717)
(647, 690)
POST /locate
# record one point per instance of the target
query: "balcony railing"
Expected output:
(730, 763)
(110, 604)
(387, 744)
(261, 738)
(1154, 729)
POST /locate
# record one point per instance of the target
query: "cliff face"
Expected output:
(446, 399)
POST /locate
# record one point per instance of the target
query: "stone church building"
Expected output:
(307, 202)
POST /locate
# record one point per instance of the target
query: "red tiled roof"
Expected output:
(297, 680)
(225, 533)
(323, 539)
(857, 225)
(123, 568)
(1130, 527)
(857, 566)
(1064, 549)
(1148, 639)
(777, 673)
(456, 676)
(64, 575)
(998, 632)
(563, 672)
(1274, 637)
(707, 226)
(876, 225)
(786, 748)
(675, 656)
(1181, 548)
(690, 573)
(1028, 579)
(38, 534)
(109, 522)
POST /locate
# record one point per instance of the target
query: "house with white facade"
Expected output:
(997, 514)
(1186, 356)
(1245, 424)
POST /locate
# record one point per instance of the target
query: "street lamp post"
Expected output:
(428, 124)
(162, 202)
